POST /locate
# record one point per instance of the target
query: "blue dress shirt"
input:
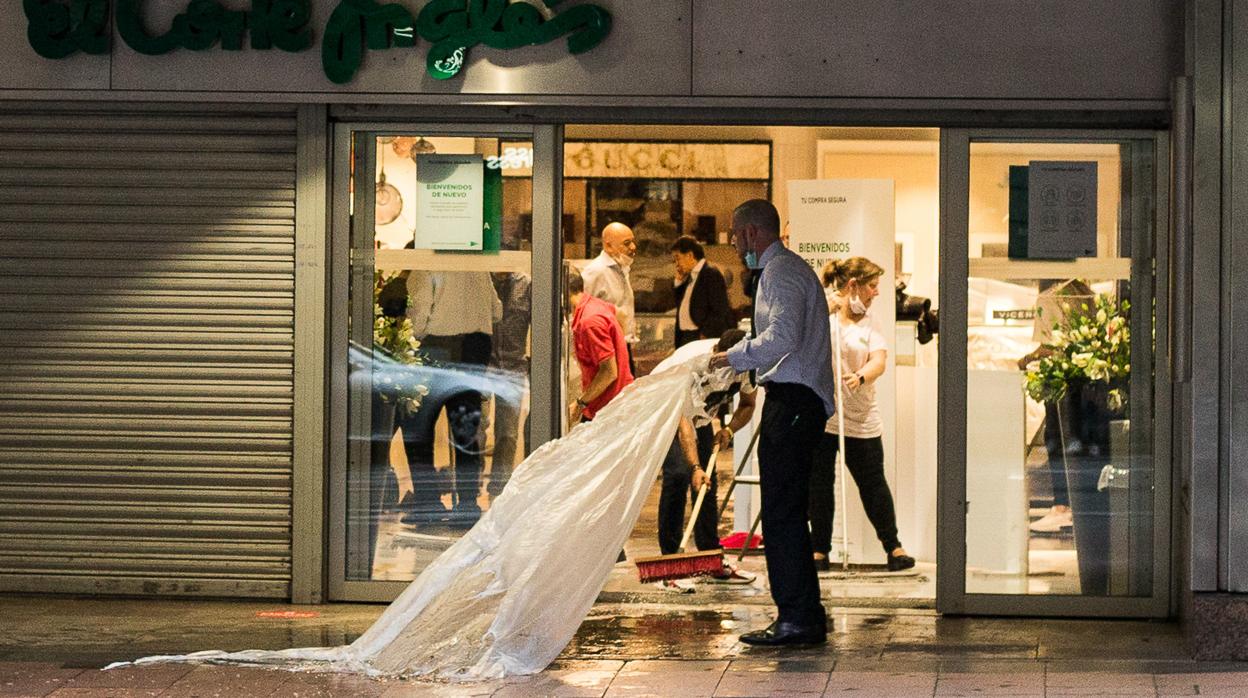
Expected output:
(792, 342)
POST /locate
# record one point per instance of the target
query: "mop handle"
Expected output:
(840, 451)
(697, 505)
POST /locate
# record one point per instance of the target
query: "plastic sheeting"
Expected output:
(508, 596)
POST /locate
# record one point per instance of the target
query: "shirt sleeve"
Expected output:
(783, 333)
(876, 342)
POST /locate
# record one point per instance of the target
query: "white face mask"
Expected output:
(856, 306)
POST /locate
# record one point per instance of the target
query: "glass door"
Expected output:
(1055, 488)
(444, 245)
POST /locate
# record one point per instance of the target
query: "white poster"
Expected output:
(450, 202)
(840, 218)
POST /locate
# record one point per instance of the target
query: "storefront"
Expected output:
(194, 255)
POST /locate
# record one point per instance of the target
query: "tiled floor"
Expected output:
(54, 647)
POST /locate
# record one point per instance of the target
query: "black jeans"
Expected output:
(464, 414)
(864, 458)
(677, 491)
(1056, 435)
(792, 422)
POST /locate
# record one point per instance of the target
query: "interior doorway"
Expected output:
(666, 183)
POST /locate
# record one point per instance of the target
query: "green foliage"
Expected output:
(392, 337)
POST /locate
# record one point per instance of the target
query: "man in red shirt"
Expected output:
(600, 350)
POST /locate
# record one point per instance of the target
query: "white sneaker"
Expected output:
(675, 586)
(1053, 522)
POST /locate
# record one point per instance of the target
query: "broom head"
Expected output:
(679, 565)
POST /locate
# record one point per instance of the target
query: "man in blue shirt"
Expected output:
(791, 351)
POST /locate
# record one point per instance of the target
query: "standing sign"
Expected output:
(450, 201)
(835, 219)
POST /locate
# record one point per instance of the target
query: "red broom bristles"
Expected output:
(679, 565)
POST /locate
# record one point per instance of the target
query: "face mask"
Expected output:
(856, 306)
(751, 260)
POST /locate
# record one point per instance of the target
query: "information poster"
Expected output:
(836, 219)
(1061, 212)
(450, 202)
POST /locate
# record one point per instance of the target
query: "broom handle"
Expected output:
(840, 451)
(697, 505)
(740, 468)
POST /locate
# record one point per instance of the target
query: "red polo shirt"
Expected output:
(596, 335)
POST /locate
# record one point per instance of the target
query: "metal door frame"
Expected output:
(546, 260)
(951, 595)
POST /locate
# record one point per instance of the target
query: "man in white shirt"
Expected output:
(453, 315)
(606, 277)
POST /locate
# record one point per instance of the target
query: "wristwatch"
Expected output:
(861, 380)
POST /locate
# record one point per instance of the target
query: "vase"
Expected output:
(1085, 415)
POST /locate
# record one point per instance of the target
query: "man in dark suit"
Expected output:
(702, 310)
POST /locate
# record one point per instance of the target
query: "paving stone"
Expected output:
(862, 683)
(979, 684)
(668, 678)
(1099, 684)
(33, 678)
(747, 684)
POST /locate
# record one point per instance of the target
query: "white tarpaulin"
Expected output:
(507, 597)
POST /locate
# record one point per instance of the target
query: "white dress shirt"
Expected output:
(684, 321)
(606, 279)
(448, 303)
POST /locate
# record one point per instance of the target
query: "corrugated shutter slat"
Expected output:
(146, 349)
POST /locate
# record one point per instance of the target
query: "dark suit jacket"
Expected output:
(708, 306)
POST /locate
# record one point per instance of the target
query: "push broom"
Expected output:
(680, 565)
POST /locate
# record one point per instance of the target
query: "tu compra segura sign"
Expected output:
(61, 28)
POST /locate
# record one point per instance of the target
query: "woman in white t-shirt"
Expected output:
(853, 284)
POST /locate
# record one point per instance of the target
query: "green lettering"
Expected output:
(205, 23)
(455, 26)
(356, 24)
(56, 29)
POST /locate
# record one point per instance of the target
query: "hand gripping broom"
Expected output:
(680, 565)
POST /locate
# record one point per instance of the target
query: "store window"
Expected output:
(1060, 462)
(440, 344)
(661, 190)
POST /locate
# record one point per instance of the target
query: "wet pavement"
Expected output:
(55, 647)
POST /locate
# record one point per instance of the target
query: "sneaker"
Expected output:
(898, 563)
(729, 575)
(675, 586)
(1053, 522)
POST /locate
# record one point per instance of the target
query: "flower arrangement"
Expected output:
(1093, 345)
(393, 337)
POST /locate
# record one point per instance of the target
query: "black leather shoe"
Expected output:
(897, 563)
(785, 633)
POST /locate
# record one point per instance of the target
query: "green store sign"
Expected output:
(60, 28)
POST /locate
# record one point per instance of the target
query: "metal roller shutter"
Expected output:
(146, 349)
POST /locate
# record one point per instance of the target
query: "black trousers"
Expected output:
(464, 414)
(677, 492)
(683, 337)
(1053, 445)
(792, 422)
(864, 458)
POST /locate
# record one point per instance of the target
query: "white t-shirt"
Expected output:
(861, 412)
